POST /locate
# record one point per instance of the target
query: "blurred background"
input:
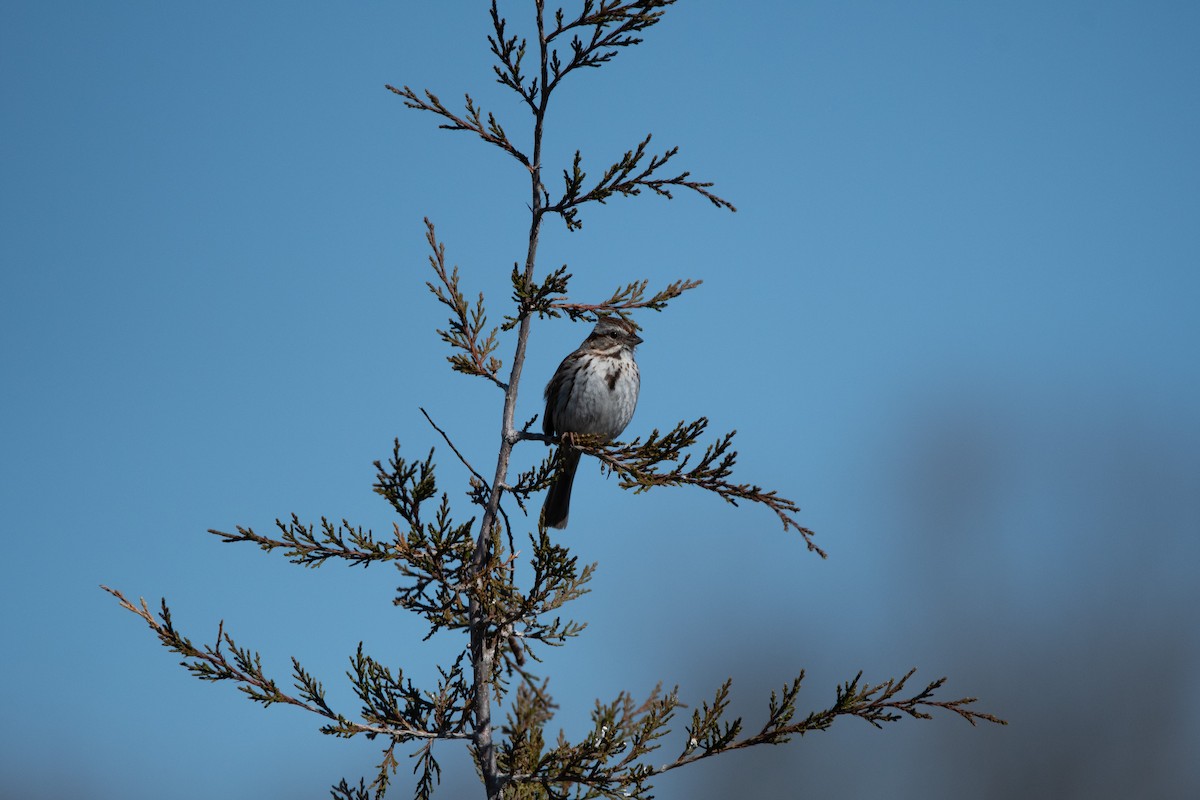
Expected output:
(955, 318)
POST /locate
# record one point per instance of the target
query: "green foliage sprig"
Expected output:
(548, 298)
(613, 25)
(489, 130)
(224, 660)
(303, 545)
(630, 297)
(613, 759)
(638, 463)
(627, 177)
(466, 329)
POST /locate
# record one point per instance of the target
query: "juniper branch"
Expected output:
(406, 485)
(627, 177)
(344, 791)
(637, 464)
(535, 298)
(392, 701)
(467, 323)
(877, 704)
(628, 298)
(537, 477)
(613, 25)
(210, 663)
(489, 130)
(607, 763)
(611, 760)
(510, 52)
(437, 564)
(303, 545)
(428, 770)
(557, 580)
(540, 299)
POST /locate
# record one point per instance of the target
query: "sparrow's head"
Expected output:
(617, 330)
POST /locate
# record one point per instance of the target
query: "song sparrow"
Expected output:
(593, 391)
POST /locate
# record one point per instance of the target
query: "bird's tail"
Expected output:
(557, 507)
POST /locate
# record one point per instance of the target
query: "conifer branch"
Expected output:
(612, 760)
(533, 298)
(626, 299)
(510, 52)
(557, 580)
(710, 733)
(537, 477)
(344, 791)
(540, 299)
(427, 769)
(613, 25)
(244, 667)
(303, 545)
(437, 566)
(606, 763)
(467, 323)
(489, 130)
(627, 177)
(638, 465)
(406, 485)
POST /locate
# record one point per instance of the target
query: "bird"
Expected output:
(593, 392)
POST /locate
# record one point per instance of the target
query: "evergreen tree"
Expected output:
(459, 570)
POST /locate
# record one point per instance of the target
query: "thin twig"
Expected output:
(218, 667)
(461, 457)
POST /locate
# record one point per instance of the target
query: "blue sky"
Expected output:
(955, 317)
